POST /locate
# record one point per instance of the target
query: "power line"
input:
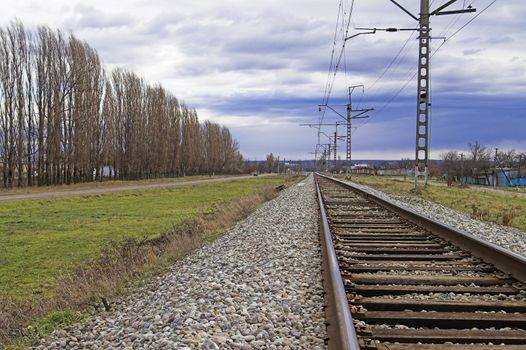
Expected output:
(411, 78)
(344, 29)
(393, 64)
(332, 65)
(333, 52)
(346, 35)
(451, 23)
(392, 61)
(454, 20)
(471, 20)
(389, 66)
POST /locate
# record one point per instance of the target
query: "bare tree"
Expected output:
(64, 120)
(451, 165)
(270, 163)
(480, 158)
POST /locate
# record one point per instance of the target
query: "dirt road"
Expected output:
(485, 189)
(116, 189)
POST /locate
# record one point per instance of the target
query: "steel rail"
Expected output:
(340, 326)
(503, 259)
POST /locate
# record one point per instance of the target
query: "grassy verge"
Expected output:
(486, 206)
(43, 326)
(66, 253)
(506, 189)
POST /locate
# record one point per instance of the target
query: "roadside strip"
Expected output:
(117, 189)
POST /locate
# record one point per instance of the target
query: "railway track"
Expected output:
(411, 283)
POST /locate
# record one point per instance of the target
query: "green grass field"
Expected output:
(486, 206)
(41, 239)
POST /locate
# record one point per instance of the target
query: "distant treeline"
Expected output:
(63, 118)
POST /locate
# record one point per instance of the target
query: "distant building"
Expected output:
(394, 172)
(505, 178)
(362, 169)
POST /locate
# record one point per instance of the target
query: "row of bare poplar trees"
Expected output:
(64, 119)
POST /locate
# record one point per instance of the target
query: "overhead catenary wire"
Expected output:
(403, 50)
(454, 21)
(332, 65)
(388, 67)
(325, 93)
(393, 65)
(333, 72)
(343, 34)
(412, 77)
(398, 58)
(328, 85)
(346, 34)
(471, 20)
(330, 82)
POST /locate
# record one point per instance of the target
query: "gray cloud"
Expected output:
(89, 17)
(261, 67)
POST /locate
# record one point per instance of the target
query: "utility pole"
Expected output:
(519, 172)
(422, 118)
(332, 140)
(350, 117)
(423, 100)
(316, 157)
(349, 134)
(462, 168)
(335, 145)
(323, 157)
(496, 179)
(327, 156)
(336, 138)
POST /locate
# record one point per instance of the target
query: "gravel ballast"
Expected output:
(257, 287)
(507, 237)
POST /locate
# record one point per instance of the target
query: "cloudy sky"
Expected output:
(261, 67)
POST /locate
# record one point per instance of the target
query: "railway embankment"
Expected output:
(257, 287)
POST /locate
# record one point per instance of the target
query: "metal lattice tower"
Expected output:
(422, 118)
(350, 117)
(349, 133)
(333, 140)
(335, 144)
(423, 92)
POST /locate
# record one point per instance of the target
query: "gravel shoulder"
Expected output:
(257, 287)
(507, 237)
